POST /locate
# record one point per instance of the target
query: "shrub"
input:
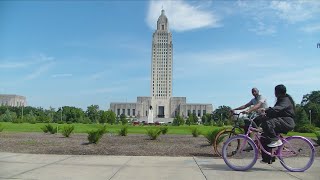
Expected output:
(177, 121)
(18, 120)
(67, 130)
(211, 135)
(219, 123)
(49, 128)
(164, 130)
(318, 137)
(123, 131)
(1, 127)
(195, 132)
(44, 129)
(307, 128)
(153, 133)
(95, 135)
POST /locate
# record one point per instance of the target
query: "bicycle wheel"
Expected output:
(296, 154)
(220, 140)
(235, 155)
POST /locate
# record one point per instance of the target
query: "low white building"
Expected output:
(12, 100)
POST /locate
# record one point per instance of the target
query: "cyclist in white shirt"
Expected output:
(257, 103)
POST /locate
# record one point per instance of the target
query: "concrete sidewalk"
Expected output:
(44, 166)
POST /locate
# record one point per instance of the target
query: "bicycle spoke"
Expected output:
(296, 154)
(239, 153)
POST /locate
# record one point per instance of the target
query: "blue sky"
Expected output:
(79, 53)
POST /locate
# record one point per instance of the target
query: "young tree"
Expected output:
(301, 117)
(111, 117)
(177, 121)
(8, 116)
(123, 119)
(93, 113)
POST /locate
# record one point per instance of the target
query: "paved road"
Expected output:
(44, 166)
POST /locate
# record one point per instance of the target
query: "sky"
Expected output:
(79, 53)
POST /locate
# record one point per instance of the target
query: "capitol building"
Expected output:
(164, 106)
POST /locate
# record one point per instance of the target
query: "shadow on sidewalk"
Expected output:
(224, 167)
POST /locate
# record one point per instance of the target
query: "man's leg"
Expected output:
(274, 126)
(265, 157)
(269, 135)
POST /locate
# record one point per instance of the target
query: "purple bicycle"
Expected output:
(296, 154)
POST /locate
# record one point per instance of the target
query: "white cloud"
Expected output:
(13, 65)
(97, 75)
(60, 75)
(296, 11)
(263, 29)
(182, 15)
(43, 62)
(306, 76)
(201, 63)
(265, 16)
(221, 58)
(25, 62)
(311, 28)
(42, 69)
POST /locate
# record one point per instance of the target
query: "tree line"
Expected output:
(65, 114)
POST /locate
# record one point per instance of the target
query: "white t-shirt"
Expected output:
(261, 99)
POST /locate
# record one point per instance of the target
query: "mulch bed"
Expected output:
(131, 145)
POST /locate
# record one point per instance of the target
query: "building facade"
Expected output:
(161, 100)
(12, 100)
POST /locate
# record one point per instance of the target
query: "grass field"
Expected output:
(84, 128)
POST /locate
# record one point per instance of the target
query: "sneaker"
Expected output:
(264, 162)
(275, 143)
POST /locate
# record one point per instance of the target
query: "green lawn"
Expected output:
(84, 128)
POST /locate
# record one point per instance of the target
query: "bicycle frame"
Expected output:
(257, 135)
(288, 149)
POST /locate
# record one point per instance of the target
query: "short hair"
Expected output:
(256, 89)
(280, 89)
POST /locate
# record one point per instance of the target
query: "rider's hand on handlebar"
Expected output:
(261, 111)
(244, 112)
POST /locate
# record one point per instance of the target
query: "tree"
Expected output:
(111, 117)
(31, 118)
(311, 105)
(177, 121)
(207, 119)
(313, 97)
(103, 116)
(8, 116)
(222, 113)
(123, 119)
(301, 117)
(314, 110)
(93, 113)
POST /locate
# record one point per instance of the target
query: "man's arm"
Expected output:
(243, 106)
(255, 107)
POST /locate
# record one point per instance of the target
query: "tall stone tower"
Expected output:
(164, 106)
(161, 67)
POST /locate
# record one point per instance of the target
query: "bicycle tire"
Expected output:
(293, 147)
(220, 139)
(237, 155)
